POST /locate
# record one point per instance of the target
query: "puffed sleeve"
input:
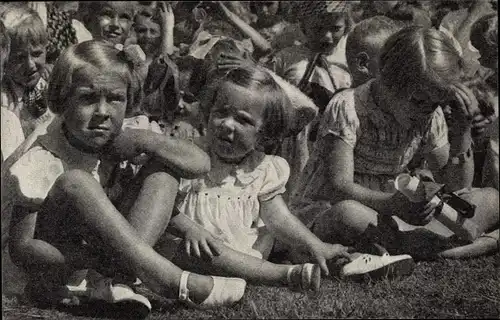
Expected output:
(276, 174)
(340, 118)
(30, 179)
(437, 134)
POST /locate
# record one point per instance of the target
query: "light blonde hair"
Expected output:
(100, 55)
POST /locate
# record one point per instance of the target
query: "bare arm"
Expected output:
(167, 28)
(260, 42)
(282, 223)
(184, 158)
(456, 176)
(453, 164)
(287, 227)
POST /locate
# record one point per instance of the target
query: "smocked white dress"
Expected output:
(226, 201)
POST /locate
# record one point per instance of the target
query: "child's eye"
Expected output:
(125, 17)
(36, 53)
(106, 13)
(245, 120)
(117, 98)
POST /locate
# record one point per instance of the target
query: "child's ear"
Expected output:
(362, 61)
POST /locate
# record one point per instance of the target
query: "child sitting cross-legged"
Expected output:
(229, 217)
(369, 135)
(67, 214)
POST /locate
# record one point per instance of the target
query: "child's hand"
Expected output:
(328, 251)
(227, 62)
(463, 109)
(480, 123)
(414, 213)
(167, 15)
(198, 240)
(46, 71)
(128, 145)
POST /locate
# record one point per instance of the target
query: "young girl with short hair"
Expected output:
(69, 213)
(25, 79)
(369, 134)
(230, 216)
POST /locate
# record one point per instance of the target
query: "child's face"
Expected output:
(324, 32)
(96, 107)
(234, 121)
(25, 64)
(148, 34)
(113, 22)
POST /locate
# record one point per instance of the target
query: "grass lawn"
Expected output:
(439, 289)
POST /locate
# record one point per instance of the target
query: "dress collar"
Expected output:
(244, 172)
(56, 142)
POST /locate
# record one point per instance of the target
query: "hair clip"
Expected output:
(132, 53)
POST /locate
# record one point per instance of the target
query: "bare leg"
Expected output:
(354, 224)
(149, 200)
(230, 263)
(76, 205)
(486, 214)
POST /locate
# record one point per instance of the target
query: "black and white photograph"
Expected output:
(249, 159)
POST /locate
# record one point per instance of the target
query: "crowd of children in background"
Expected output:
(190, 147)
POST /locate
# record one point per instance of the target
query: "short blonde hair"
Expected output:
(24, 26)
(278, 110)
(100, 55)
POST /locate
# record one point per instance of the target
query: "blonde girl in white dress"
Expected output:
(229, 217)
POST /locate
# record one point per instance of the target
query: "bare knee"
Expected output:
(345, 218)
(162, 180)
(353, 214)
(70, 183)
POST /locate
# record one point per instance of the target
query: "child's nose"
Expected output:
(228, 124)
(102, 109)
(328, 36)
(114, 22)
(30, 63)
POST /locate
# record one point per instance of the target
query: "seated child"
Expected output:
(67, 214)
(229, 216)
(25, 82)
(368, 136)
(317, 68)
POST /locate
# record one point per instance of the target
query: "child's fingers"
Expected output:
(196, 250)
(206, 248)
(322, 265)
(215, 248)
(187, 245)
(460, 103)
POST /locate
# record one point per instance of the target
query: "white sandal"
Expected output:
(377, 267)
(226, 291)
(304, 277)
